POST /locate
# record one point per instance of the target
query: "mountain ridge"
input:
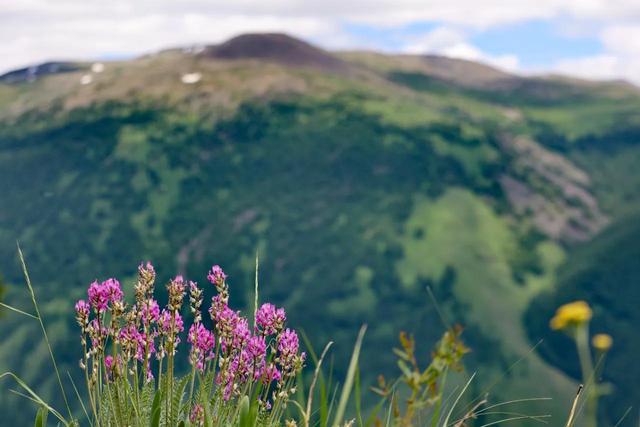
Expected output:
(289, 50)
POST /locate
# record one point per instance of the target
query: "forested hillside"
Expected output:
(360, 180)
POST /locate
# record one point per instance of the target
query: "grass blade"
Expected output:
(313, 383)
(572, 414)
(446, 420)
(348, 383)
(79, 398)
(17, 310)
(255, 294)
(44, 331)
(34, 396)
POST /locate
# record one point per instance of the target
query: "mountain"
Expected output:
(360, 178)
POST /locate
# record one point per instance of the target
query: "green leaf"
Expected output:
(348, 383)
(208, 420)
(404, 368)
(41, 417)
(178, 394)
(245, 419)
(155, 409)
(155, 419)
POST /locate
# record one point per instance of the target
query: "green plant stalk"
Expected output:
(436, 411)
(136, 385)
(588, 378)
(193, 381)
(44, 331)
(86, 378)
(116, 413)
(169, 381)
(160, 374)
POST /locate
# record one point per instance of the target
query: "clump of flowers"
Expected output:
(125, 348)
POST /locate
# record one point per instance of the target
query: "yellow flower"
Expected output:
(602, 342)
(572, 314)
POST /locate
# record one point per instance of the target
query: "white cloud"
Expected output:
(621, 58)
(452, 42)
(601, 67)
(593, 67)
(624, 39)
(435, 40)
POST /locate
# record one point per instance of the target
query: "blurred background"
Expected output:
(367, 151)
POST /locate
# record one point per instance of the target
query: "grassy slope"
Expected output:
(358, 190)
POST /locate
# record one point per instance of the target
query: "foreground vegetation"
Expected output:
(249, 374)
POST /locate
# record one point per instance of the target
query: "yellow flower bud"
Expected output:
(602, 342)
(572, 314)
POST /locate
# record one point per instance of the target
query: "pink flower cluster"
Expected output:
(270, 320)
(102, 294)
(288, 347)
(216, 276)
(246, 354)
(237, 353)
(202, 343)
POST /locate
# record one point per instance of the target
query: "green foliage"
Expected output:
(425, 385)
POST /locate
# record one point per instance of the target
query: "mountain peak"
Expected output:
(276, 47)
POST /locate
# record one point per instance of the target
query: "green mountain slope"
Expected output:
(361, 179)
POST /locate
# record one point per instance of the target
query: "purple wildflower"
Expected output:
(225, 323)
(218, 306)
(167, 322)
(129, 338)
(150, 311)
(197, 415)
(288, 347)
(241, 333)
(113, 290)
(176, 289)
(269, 319)
(202, 343)
(257, 347)
(195, 301)
(97, 333)
(82, 313)
(270, 373)
(216, 276)
(101, 294)
(147, 272)
(108, 364)
(97, 297)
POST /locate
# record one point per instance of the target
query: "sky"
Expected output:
(598, 39)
